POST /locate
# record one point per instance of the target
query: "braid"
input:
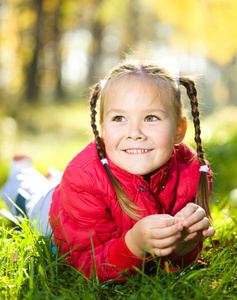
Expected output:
(93, 101)
(203, 194)
(125, 202)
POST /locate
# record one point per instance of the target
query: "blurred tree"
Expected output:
(208, 26)
(54, 9)
(37, 30)
(44, 70)
(93, 22)
(117, 27)
(32, 88)
(38, 37)
(139, 26)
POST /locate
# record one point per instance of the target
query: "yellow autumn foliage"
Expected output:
(208, 23)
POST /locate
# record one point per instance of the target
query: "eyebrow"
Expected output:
(115, 110)
(146, 111)
(150, 111)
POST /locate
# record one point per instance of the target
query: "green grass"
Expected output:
(28, 268)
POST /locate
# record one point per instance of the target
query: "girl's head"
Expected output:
(141, 119)
(139, 123)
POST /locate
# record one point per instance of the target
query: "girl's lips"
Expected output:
(137, 151)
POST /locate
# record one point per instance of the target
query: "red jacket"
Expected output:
(85, 209)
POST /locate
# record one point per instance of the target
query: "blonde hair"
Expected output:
(167, 85)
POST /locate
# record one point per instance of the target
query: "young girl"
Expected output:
(137, 189)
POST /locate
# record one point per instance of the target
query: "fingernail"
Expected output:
(180, 227)
(178, 235)
(185, 223)
(189, 229)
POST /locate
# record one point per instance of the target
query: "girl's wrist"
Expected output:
(131, 244)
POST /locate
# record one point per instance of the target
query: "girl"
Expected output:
(137, 189)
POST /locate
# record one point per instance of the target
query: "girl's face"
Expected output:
(138, 130)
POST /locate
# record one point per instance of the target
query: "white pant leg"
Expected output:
(40, 212)
(39, 192)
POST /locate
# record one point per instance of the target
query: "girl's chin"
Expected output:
(139, 171)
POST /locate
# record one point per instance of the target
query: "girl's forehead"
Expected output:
(140, 87)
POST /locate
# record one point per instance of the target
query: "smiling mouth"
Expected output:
(137, 151)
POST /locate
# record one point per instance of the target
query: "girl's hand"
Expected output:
(156, 234)
(196, 228)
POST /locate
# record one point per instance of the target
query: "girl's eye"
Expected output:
(151, 118)
(119, 119)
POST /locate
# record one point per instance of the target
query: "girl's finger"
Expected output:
(178, 215)
(195, 217)
(163, 222)
(162, 252)
(209, 232)
(162, 233)
(164, 243)
(189, 209)
(201, 225)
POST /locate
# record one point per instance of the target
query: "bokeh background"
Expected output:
(53, 50)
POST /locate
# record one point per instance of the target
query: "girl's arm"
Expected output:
(86, 229)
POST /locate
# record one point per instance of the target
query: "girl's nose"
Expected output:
(135, 132)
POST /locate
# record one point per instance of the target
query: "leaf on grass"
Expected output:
(13, 258)
(215, 245)
(215, 283)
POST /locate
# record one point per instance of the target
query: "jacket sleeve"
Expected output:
(86, 228)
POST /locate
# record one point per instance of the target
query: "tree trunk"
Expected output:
(96, 50)
(59, 92)
(32, 88)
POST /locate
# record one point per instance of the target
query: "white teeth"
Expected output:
(136, 151)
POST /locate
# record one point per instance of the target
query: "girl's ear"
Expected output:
(181, 130)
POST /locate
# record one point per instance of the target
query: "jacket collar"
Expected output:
(161, 177)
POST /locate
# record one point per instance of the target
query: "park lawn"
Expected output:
(30, 270)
